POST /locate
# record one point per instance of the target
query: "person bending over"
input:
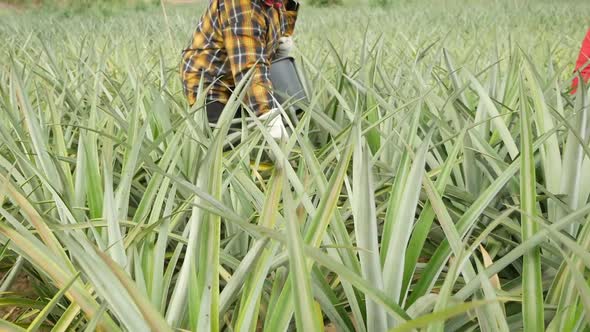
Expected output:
(232, 38)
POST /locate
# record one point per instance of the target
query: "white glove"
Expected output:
(285, 47)
(275, 125)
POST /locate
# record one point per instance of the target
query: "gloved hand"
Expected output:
(275, 125)
(285, 46)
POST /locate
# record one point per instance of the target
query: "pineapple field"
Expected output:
(438, 179)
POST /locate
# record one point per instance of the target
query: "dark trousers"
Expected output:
(214, 110)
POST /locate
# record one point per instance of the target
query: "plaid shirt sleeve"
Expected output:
(244, 35)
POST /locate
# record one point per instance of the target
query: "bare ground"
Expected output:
(22, 288)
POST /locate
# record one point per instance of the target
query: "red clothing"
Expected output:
(583, 63)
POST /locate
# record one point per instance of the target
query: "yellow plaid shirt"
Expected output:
(232, 37)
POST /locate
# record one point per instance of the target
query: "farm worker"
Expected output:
(231, 38)
(583, 63)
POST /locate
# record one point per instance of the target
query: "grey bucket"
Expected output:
(286, 82)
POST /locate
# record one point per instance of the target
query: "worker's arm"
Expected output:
(244, 33)
(583, 63)
(291, 11)
(286, 41)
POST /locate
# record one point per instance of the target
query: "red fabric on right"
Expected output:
(582, 64)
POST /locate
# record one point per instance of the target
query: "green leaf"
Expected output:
(365, 222)
(438, 316)
(494, 114)
(36, 323)
(532, 283)
(299, 271)
(9, 327)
